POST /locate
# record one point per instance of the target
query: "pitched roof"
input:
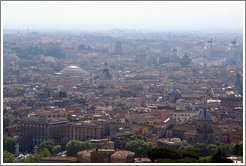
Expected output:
(122, 154)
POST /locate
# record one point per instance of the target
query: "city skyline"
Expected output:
(123, 82)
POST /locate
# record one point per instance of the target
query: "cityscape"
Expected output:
(83, 90)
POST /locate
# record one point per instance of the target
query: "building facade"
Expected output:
(83, 131)
(34, 131)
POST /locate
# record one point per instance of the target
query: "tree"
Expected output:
(56, 150)
(85, 145)
(46, 144)
(220, 157)
(9, 144)
(8, 157)
(190, 152)
(203, 151)
(74, 146)
(228, 148)
(239, 149)
(206, 159)
(212, 148)
(185, 147)
(44, 153)
(183, 160)
(32, 158)
(164, 152)
(139, 147)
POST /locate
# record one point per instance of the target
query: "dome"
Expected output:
(160, 99)
(204, 114)
(73, 71)
(31, 89)
(174, 91)
(105, 75)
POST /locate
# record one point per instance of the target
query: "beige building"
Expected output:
(182, 117)
(83, 131)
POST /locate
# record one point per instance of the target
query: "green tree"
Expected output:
(74, 146)
(158, 153)
(184, 147)
(8, 157)
(239, 149)
(203, 151)
(211, 148)
(228, 148)
(9, 144)
(85, 145)
(46, 144)
(190, 152)
(183, 160)
(139, 147)
(56, 149)
(206, 159)
(32, 158)
(220, 157)
(44, 153)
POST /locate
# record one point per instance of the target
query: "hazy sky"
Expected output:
(157, 15)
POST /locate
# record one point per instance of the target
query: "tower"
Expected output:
(118, 48)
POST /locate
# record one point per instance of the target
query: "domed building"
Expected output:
(73, 71)
(174, 94)
(204, 126)
(69, 77)
(201, 131)
(105, 78)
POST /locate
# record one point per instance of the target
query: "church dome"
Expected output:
(204, 114)
(73, 71)
(174, 91)
(105, 75)
(160, 99)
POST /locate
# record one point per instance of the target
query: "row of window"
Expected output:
(40, 125)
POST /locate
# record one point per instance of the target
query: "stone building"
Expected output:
(200, 131)
(83, 131)
(68, 78)
(34, 131)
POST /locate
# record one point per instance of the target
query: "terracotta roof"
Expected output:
(85, 153)
(122, 154)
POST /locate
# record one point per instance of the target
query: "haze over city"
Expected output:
(146, 15)
(123, 82)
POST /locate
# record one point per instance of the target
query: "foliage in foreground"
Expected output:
(8, 157)
(74, 146)
(139, 147)
(188, 154)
